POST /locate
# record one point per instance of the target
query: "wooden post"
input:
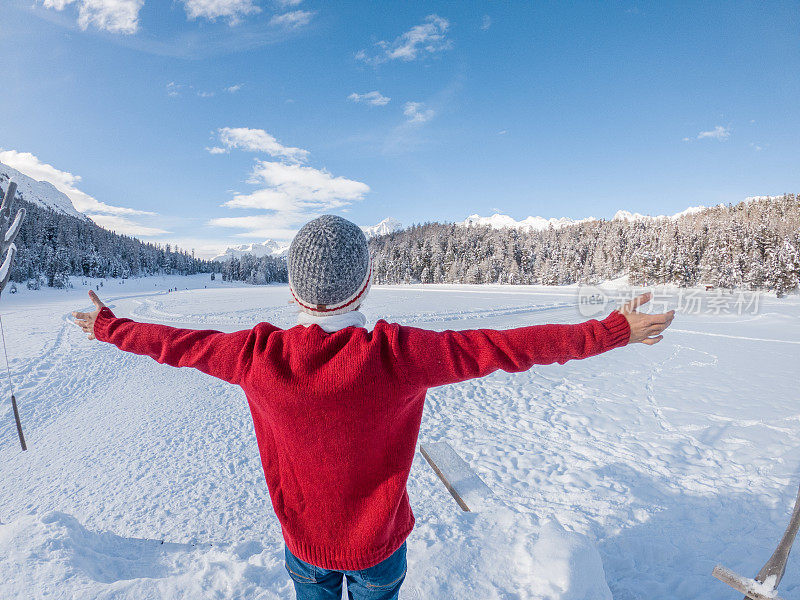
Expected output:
(19, 423)
(776, 565)
(753, 589)
(467, 489)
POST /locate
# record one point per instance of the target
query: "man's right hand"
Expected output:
(645, 328)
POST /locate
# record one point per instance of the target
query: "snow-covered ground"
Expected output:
(143, 481)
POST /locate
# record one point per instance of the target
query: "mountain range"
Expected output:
(280, 249)
(47, 196)
(496, 221)
(265, 248)
(499, 221)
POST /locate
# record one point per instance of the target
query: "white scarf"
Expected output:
(331, 323)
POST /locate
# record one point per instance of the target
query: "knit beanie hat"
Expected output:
(330, 269)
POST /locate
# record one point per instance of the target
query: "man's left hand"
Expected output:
(86, 320)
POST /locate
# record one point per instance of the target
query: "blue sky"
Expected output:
(218, 122)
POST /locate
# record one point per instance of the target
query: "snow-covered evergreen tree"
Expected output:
(751, 244)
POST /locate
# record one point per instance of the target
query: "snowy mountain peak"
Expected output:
(388, 225)
(624, 215)
(42, 193)
(265, 248)
(281, 248)
(498, 221)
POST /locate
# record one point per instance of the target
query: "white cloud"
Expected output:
(292, 20)
(297, 188)
(233, 10)
(175, 89)
(718, 133)
(289, 3)
(417, 113)
(216, 150)
(203, 247)
(276, 227)
(372, 98)
(502, 132)
(291, 192)
(429, 37)
(57, 4)
(486, 22)
(256, 140)
(125, 226)
(101, 213)
(116, 16)
(408, 135)
(28, 164)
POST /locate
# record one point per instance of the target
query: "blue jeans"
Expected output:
(381, 582)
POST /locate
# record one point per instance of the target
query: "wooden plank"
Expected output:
(468, 490)
(748, 587)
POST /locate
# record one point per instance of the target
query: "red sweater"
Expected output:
(337, 415)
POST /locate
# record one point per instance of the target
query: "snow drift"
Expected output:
(54, 556)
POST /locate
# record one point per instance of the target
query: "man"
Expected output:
(337, 408)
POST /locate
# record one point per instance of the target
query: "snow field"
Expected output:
(632, 473)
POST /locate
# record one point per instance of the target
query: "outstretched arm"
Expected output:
(433, 358)
(227, 356)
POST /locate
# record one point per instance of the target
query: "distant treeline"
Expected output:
(258, 271)
(52, 246)
(754, 245)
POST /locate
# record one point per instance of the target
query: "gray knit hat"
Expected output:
(330, 269)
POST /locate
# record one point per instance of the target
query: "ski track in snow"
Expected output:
(671, 459)
(738, 337)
